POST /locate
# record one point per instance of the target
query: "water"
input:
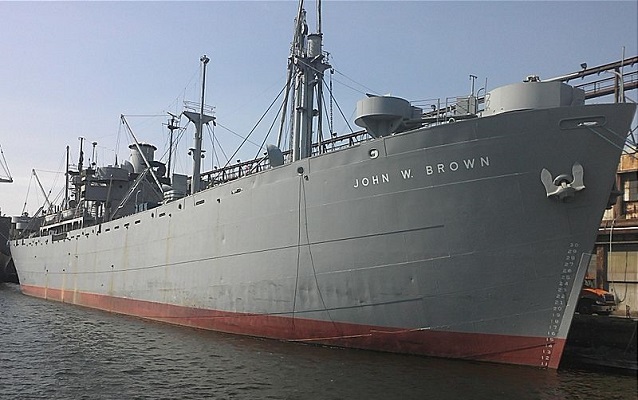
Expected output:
(57, 351)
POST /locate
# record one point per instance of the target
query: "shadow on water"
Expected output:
(53, 350)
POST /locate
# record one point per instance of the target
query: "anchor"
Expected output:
(564, 186)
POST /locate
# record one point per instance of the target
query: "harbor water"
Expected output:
(57, 351)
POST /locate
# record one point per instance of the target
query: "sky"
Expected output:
(70, 69)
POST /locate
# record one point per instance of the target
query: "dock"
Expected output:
(602, 342)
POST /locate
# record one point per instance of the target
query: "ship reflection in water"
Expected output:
(51, 350)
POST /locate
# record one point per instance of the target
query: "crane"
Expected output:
(5, 169)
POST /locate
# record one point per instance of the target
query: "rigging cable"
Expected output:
(256, 125)
(211, 136)
(182, 95)
(24, 207)
(614, 144)
(117, 141)
(272, 125)
(633, 142)
(352, 80)
(222, 150)
(180, 134)
(4, 164)
(331, 124)
(237, 134)
(284, 104)
(47, 196)
(332, 98)
(302, 192)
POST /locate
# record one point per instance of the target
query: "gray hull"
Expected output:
(440, 241)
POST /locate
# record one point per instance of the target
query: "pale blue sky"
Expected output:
(69, 69)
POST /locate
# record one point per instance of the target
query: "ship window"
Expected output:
(630, 195)
(137, 222)
(107, 230)
(200, 202)
(161, 214)
(631, 189)
(116, 227)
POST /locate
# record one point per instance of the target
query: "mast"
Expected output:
(308, 66)
(319, 111)
(66, 183)
(171, 127)
(198, 137)
(77, 191)
(199, 119)
(93, 160)
(81, 159)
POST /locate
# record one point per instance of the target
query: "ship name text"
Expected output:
(427, 170)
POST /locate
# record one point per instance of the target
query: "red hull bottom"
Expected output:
(521, 350)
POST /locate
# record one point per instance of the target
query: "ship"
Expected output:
(447, 232)
(7, 269)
